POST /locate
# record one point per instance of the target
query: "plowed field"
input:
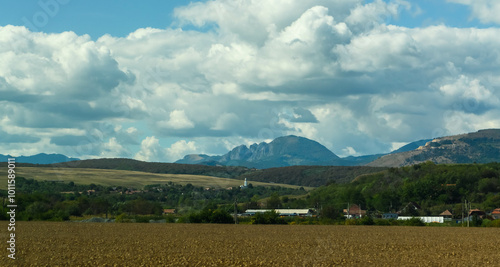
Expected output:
(100, 244)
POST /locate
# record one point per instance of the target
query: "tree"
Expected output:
(254, 202)
(274, 201)
(268, 217)
(329, 212)
(99, 205)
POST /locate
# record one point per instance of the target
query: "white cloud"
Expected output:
(151, 150)
(112, 149)
(181, 148)
(178, 120)
(485, 10)
(369, 16)
(397, 145)
(349, 151)
(470, 90)
(254, 71)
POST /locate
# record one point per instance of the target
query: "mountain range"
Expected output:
(478, 147)
(282, 151)
(285, 151)
(41, 158)
(481, 147)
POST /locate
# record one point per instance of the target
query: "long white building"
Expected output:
(282, 212)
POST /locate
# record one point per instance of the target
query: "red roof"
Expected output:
(477, 212)
(496, 211)
(446, 213)
(169, 211)
(355, 210)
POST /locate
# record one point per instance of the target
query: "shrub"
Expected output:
(170, 218)
(268, 217)
(350, 222)
(366, 220)
(414, 222)
(495, 223)
(122, 218)
(486, 223)
(382, 222)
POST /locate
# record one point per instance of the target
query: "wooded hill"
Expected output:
(433, 187)
(312, 176)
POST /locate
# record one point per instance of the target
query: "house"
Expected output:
(169, 211)
(388, 216)
(495, 214)
(354, 211)
(282, 212)
(446, 215)
(476, 212)
(411, 208)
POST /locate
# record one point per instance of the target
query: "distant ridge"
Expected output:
(41, 158)
(478, 147)
(293, 175)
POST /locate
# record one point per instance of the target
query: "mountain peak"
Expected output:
(283, 151)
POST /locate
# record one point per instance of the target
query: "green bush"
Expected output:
(170, 218)
(210, 216)
(495, 223)
(366, 220)
(486, 223)
(414, 222)
(382, 222)
(122, 218)
(351, 222)
(268, 217)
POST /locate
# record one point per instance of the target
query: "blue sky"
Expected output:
(156, 80)
(119, 18)
(93, 17)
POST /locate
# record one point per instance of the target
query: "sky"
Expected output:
(157, 80)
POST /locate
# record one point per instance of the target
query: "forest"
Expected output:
(433, 188)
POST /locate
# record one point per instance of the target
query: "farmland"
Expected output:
(134, 179)
(69, 243)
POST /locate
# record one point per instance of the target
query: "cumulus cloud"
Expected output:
(112, 149)
(178, 120)
(247, 71)
(150, 150)
(485, 10)
(179, 149)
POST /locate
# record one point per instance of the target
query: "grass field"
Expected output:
(126, 178)
(100, 244)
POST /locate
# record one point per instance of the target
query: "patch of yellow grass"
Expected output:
(133, 179)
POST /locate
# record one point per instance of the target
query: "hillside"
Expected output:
(310, 175)
(293, 175)
(434, 187)
(154, 167)
(481, 147)
(134, 179)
